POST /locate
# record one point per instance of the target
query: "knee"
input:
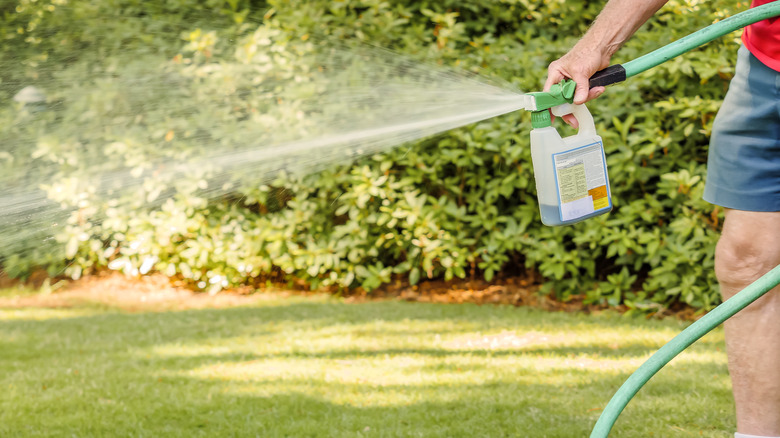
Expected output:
(739, 262)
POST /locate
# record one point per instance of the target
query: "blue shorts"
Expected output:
(743, 168)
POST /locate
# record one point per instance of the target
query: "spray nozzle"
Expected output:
(559, 94)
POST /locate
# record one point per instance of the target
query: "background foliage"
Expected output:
(457, 205)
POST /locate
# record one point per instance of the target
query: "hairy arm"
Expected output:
(615, 24)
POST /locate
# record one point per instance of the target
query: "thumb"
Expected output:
(553, 77)
(582, 91)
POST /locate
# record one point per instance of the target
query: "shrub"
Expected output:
(458, 204)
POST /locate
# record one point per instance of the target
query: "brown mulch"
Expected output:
(114, 290)
(515, 291)
(159, 293)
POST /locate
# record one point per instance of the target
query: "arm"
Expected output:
(615, 24)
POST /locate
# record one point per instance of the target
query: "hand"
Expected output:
(579, 65)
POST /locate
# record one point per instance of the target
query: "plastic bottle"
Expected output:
(571, 173)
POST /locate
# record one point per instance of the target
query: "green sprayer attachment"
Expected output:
(559, 94)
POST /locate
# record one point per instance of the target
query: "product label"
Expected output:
(581, 178)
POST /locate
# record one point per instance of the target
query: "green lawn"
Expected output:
(322, 367)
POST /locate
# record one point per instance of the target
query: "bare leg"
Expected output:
(749, 248)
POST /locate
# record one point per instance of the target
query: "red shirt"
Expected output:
(763, 39)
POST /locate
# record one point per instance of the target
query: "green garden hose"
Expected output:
(678, 344)
(729, 308)
(617, 73)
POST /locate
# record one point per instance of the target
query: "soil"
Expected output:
(159, 293)
(115, 290)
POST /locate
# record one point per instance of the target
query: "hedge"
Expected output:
(458, 204)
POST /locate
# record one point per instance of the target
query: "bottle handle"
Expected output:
(581, 113)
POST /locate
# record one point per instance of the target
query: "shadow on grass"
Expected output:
(109, 374)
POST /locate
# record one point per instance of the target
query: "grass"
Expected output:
(322, 367)
(19, 291)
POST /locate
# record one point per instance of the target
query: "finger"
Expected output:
(571, 121)
(554, 75)
(581, 93)
(595, 92)
(552, 80)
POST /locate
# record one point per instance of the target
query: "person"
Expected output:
(743, 176)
